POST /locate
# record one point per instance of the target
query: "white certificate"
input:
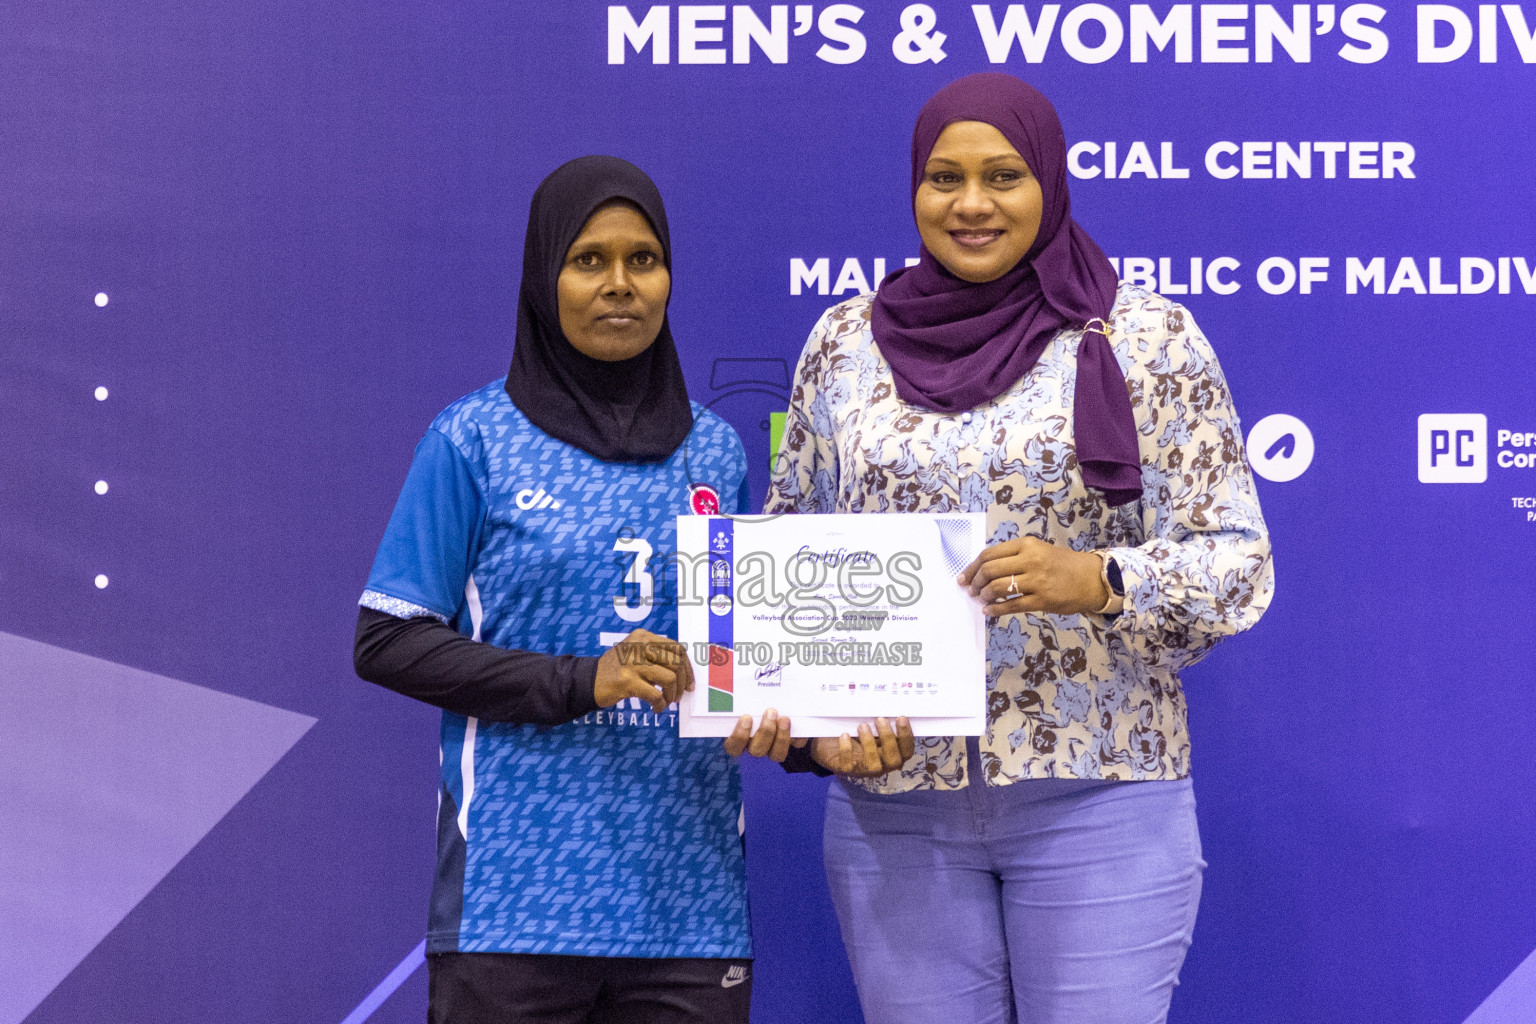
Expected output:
(832, 620)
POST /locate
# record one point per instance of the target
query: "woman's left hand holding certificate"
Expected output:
(1032, 575)
(771, 740)
(875, 752)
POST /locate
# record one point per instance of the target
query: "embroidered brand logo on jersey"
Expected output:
(530, 499)
(704, 500)
(733, 977)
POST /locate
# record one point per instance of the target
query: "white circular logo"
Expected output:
(1280, 448)
(720, 604)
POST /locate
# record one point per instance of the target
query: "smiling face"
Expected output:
(978, 207)
(613, 286)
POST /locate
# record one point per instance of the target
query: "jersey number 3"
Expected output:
(638, 577)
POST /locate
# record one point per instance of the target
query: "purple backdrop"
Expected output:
(283, 235)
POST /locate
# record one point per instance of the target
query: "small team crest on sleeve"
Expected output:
(704, 500)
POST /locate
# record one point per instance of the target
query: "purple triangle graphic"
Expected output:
(1514, 1001)
(108, 777)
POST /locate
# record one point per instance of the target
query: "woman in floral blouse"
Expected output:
(1048, 871)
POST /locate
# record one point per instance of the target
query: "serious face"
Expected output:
(613, 286)
(978, 207)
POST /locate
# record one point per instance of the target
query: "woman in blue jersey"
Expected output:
(589, 861)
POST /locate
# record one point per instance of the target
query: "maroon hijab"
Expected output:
(953, 345)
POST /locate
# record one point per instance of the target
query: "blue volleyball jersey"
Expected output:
(609, 835)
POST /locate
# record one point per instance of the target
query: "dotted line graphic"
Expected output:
(102, 394)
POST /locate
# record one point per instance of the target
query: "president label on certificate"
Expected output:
(831, 620)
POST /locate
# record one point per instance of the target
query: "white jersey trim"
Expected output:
(467, 773)
(471, 725)
(396, 607)
(476, 614)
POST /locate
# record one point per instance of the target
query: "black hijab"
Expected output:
(634, 410)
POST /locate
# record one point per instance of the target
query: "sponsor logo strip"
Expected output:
(722, 600)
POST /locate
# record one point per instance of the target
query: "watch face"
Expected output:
(1113, 578)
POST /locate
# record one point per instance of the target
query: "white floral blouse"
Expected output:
(1069, 696)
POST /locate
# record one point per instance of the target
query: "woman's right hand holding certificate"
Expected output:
(643, 665)
(874, 752)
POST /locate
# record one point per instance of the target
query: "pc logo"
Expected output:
(1453, 448)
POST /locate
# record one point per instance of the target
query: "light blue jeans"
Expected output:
(1050, 901)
